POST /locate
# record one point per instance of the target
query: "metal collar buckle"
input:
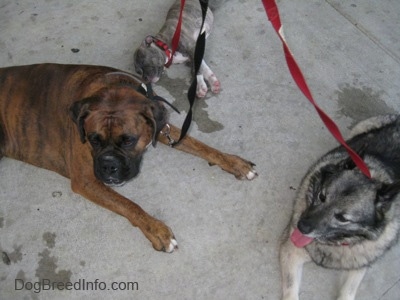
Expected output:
(167, 134)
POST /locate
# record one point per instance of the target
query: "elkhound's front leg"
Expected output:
(292, 260)
(350, 282)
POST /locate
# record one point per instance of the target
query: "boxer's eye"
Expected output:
(94, 141)
(128, 141)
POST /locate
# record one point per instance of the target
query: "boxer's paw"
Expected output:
(239, 167)
(160, 236)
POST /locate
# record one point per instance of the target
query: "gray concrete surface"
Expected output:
(227, 230)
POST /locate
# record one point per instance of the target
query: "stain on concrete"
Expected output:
(360, 103)
(202, 119)
(33, 18)
(120, 15)
(50, 239)
(5, 258)
(178, 89)
(21, 276)
(1, 222)
(11, 257)
(56, 194)
(14, 256)
(48, 269)
(246, 54)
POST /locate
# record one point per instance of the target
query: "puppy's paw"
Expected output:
(202, 89)
(160, 236)
(214, 84)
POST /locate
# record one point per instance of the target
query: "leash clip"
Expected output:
(167, 134)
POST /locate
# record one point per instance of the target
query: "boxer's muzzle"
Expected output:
(114, 169)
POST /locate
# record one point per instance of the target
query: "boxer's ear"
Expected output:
(157, 115)
(78, 112)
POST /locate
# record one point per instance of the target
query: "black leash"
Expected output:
(152, 96)
(198, 58)
(146, 90)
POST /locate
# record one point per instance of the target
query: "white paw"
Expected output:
(214, 84)
(251, 175)
(201, 90)
(172, 246)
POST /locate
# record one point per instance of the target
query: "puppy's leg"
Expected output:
(350, 282)
(233, 164)
(210, 77)
(201, 89)
(292, 260)
(179, 58)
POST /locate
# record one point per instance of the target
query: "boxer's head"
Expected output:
(119, 124)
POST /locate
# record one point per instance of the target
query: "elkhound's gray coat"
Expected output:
(342, 219)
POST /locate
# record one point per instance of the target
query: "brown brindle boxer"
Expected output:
(92, 124)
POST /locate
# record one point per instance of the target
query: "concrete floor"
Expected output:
(227, 230)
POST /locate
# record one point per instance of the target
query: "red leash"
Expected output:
(177, 35)
(273, 16)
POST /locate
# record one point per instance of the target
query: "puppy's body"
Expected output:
(342, 219)
(149, 59)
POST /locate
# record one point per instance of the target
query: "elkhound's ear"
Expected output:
(78, 112)
(385, 196)
(329, 170)
(348, 163)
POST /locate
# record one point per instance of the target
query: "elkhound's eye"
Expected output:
(321, 196)
(341, 218)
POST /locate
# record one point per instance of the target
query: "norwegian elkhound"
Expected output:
(342, 219)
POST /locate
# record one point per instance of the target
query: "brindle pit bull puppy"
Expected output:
(154, 52)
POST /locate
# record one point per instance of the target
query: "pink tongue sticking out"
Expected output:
(299, 239)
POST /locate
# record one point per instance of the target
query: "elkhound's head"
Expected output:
(344, 206)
